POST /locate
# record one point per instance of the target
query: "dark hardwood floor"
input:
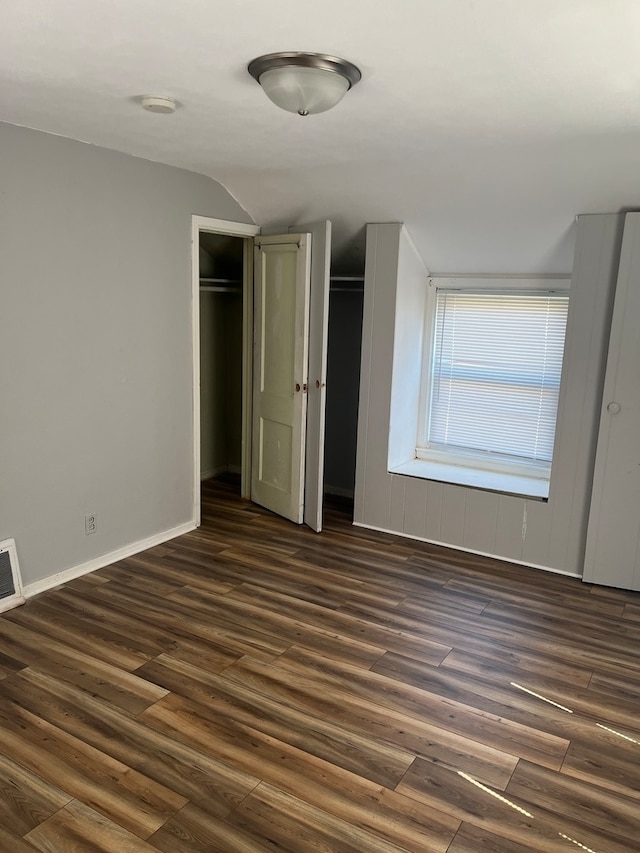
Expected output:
(253, 686)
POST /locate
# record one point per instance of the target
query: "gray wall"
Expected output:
(549, 534)
(95, 346)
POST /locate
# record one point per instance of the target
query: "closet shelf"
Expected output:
(220, 285)
(346, 284)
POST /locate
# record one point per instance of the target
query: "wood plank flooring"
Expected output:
(254, 687)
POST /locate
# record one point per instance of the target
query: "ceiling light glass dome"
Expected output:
(304, 83)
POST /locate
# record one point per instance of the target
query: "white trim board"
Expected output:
(35, 588)
(224, 226)
(11, 601)
(469, 550)
(213, 472)
(222, 469)
(215, 226)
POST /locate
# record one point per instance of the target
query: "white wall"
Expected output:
(548, 534)
(95, 347)
(408, 340)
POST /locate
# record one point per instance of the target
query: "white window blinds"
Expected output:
(495, 376)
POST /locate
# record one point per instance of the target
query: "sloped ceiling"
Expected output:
(485, 125)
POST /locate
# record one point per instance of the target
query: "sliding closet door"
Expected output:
(613, 538)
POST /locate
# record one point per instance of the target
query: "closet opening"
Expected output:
(223, 325)
(222, 261)
(346, 300)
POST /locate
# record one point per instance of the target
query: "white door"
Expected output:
(613, 538)
(281, 329)
(317, 396)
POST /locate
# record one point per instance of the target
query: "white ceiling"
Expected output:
(485, 125)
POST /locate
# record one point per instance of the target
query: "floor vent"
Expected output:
(10, 584)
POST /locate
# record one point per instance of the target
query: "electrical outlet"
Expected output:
(90, 523)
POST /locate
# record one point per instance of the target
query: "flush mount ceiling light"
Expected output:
(304, 83)
(158, 104)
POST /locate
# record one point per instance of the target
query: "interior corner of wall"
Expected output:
(414, 248)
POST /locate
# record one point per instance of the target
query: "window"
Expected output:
(491, 382)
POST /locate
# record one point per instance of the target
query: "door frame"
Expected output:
(248, 232)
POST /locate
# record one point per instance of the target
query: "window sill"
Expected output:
(508, 484)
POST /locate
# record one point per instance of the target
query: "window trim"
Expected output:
(474, 462)
(531, 488)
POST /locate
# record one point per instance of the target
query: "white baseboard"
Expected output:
(35, 588)
(213, 472)
(468, 550)
(10, 602)
(8, 546)
(222, 469)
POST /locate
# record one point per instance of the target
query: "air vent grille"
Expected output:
(7, 585)
(10, 583)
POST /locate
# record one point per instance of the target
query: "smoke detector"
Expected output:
(158, 104)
